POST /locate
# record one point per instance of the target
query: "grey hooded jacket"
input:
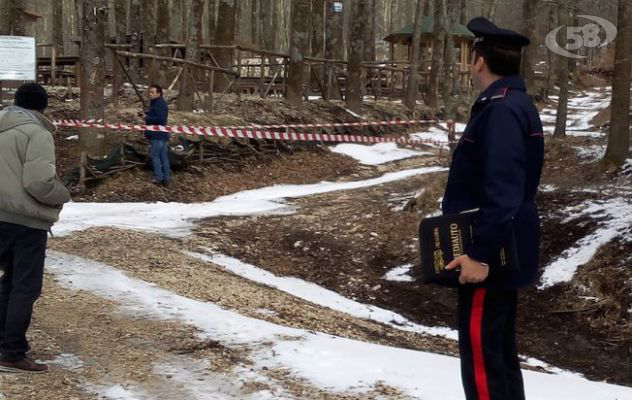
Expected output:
(31, 194)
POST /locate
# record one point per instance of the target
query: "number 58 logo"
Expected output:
(581, 36)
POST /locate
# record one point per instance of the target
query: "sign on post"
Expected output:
(337, 7)
(19, 59)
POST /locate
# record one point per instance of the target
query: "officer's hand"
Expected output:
(472, 271)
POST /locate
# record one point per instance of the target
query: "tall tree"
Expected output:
(438, 43)
(529, 29)
(490, 9)
(618, 149)
(58, 26)
(12, 17)
(463, 16)
(148, 35)
(227, 14)
(563, 76)
(134, 29)
(333, 48)
(268, 20)
(163, 32)
(369, 32)
(299, 48)
(413, 83)
(92, 60)
(449, 68)
(360, 10)
(186, 96)
(255, 22)
(184, 19)
(120, 28)
(318, 28)
(552, 59)
(120, 20)
(212, 21)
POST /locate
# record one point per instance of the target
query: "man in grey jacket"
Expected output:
(31, 197)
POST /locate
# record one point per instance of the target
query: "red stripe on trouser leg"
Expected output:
(476, 336)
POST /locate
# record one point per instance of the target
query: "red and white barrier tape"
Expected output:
(247, 133)
(343, 124)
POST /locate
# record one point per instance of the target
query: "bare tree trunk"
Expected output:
(162, 36)
(563, 76)
(369, 41)
(12, 17)
(148, 36)
(449, 67)
(120, 20)
(135, 29)
(618, 148)
(463, 19)
(184, 20)
(529, 29)
(333, 49)
(226, 18)
(551, 76)
(318, 28)
(317, 43)
(120, 28)
(58, 27)
(491, 9)
(92, 59)
(212, 21)
(186, 96)
(413, 83)
(360, 10)
(437, 55)
(268, 20)
(299, 48)
(255, 22)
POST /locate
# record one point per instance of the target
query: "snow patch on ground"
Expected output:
(376, 154)
(194, 378)
(548, 188)
(178, 219)
(330, 362)
(319, 295)
(582, 108)
(590, 153)
(400, 274)
(616, 220)
(116, 392)
(67, 361)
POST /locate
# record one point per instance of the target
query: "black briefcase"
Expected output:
(444, 238)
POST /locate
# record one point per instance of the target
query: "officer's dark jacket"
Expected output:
(157, 114)
(496, 168)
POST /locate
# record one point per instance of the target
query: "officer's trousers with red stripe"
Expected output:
(490, 368)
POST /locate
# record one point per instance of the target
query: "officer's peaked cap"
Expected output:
(486, 32)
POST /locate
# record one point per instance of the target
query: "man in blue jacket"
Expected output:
(158, 114)
(496, 168)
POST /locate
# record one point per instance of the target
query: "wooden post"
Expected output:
(285, 73)
(262, 80)
(116, 77)
(53, 66)
(123, 153)
(238, 85)
(82, 171)
(78, 74)
(201, 151)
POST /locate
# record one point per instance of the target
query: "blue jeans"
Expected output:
(159, 152)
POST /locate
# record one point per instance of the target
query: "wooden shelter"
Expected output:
(463, 39)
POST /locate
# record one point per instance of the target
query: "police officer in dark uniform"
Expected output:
(496, 168)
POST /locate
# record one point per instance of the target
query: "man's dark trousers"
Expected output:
(22, 254)
(490, 367)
